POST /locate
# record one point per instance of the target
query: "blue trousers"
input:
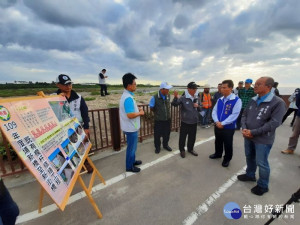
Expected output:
(257, 155)
(205, 119)
(132, 139)
(8, 208)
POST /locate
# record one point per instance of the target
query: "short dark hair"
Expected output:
(103, 70)
(228, 82)
(127, 79)
(269, 81)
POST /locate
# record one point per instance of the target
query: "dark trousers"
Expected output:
(224, 137)
(162, 129)
(103, 89)
(238, 121)
(191, 131)
(8, 208)
(289, 112)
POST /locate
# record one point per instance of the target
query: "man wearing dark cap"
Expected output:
(77, 105)
(190, 108)
(245, 94)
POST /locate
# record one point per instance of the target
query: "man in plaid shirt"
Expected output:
(245, 94)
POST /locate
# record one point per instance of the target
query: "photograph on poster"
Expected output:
(72, 135)
(67, 174)
(57, 159)
(81, 149)
(75, 159)
(68, 147)
(61, 110)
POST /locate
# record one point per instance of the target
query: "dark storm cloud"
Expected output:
(181, 21)
(7, 3)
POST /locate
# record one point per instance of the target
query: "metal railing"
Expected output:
(105, 133)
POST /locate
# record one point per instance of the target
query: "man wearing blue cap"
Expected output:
(160, 105)
(245, 94)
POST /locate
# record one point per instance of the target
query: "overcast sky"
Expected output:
(178, 41)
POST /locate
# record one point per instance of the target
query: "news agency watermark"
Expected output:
(257, 211)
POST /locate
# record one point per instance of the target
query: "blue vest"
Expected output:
(223, 111)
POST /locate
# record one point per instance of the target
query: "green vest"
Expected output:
(162, 108)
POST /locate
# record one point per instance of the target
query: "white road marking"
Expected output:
(50, 208)
(203, 208)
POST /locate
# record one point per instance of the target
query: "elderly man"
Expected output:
(190, 108)
(245, 94)
(225, 114)
(160, 105)
(260, 119)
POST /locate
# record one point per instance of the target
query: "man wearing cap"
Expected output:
(190, 108)
(77, 105)
(239, 87)
(224, 115)
(102, 83)
(206, 102)
(245, 94)
(160, 105)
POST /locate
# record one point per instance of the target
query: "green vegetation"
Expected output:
(112, 105)
(89, 98)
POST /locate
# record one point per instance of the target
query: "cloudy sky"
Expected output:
(177, 41)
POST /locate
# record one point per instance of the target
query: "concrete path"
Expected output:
(169, 189)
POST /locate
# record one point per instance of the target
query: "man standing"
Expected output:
(160, 105)
(130, 121)
(296, 130)
(224, 115)
(102, 83)
(77, 106)
(260, 119)
(245, 94)
(217, 95)
(239, 87)
(190, 108)
(206, 101)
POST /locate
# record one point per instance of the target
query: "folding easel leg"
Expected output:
(95, 170)
(41, 200)
(90, 197)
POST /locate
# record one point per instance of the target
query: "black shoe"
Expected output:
(168, 148)
(134, 169)
(103, 95)
(182, 154)
(157, 150)
(193, 153)
(214, 156)
(138, 162)
(107, 94)
(225, 163)
(244, 177)
(257, 190)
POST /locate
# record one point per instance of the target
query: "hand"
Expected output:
(87, 135)
(175, 94)
(196, 105)
(219, 125)
(105, 76)
(141, 111)
(247, 133)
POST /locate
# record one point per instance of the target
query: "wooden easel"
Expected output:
(86, 189)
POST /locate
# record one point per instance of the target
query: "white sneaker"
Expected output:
(207, 126)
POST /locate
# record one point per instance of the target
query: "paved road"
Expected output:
(169, 189)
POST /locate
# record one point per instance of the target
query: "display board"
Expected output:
(48, 139)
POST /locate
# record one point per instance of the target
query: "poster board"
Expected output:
(48, 139)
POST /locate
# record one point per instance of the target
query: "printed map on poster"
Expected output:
(50, 142)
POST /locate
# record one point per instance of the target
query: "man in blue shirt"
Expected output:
(225, 114)
(130, 121)
(160, 105)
